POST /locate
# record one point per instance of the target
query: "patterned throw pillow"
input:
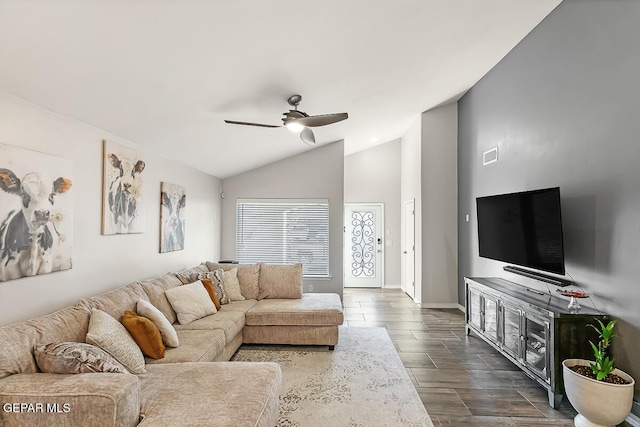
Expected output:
(231, 286)
(216, 277)
(145, 333)
(75, 358)
(248, 276)
(109, 334)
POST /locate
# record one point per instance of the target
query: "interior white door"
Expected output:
(363, 251)
(409, 250)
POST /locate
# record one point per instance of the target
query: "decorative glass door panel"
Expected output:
(363, 245)
(511, 331)
(491, 317)
(536, 346)
(475, 318)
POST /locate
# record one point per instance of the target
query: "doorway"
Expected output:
(409, 250)
(363, 251)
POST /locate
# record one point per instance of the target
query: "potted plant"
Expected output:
(601, 394)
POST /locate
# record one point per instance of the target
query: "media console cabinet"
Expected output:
(535, 330)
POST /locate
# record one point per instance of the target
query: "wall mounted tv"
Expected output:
(522, 228)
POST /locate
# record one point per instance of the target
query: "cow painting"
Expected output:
(122, 205)
(173, 201)
(32, 229)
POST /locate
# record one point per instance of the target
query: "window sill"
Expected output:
(317, 277)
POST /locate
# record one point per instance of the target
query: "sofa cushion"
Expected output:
(16, 351)
(109, 334)
(190, 275)
(116, 301)
(234, 394)
(280, 281)
(311, 309)
(75, 358)
(145, 333)
(241, 306)
(168, 333)
(94, 399)
(248, 276)
(231, 322)
(154, 288)
(195, 346)
(190, 302)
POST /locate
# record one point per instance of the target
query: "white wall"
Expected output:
(318, 173)
(439, 154)
(410, 189)
(373, 176)
(103, 262)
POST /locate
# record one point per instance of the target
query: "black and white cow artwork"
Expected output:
(173, 202)
(28, 234)
(124, 197)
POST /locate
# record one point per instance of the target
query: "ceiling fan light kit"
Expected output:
(299, 121)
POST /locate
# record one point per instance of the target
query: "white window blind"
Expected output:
(278, 231)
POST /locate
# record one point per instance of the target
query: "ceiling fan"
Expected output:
(299, 121)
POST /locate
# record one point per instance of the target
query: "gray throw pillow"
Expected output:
(75, 358)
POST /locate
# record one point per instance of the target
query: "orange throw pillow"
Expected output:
(208, 285)
(145, 333)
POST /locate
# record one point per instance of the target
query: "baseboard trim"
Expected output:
(439, 305)
(392, 286)
(461, 308)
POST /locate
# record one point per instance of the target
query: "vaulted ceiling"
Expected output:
(165, 74)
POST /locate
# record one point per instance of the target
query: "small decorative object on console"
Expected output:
(573, 305)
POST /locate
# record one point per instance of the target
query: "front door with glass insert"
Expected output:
(363, 245)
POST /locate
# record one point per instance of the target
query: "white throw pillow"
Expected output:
(109, 334)
(190, 302)
(168, 332)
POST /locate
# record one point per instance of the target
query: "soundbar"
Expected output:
(538, 276)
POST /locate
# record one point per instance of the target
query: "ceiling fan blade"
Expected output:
(233, 122)
(322, 120)
(306, 135)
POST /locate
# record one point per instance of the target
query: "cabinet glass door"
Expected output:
(491, 317)
(474, 309)
(511, 331)
(536, 346)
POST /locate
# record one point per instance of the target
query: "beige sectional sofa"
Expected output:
(194, 384)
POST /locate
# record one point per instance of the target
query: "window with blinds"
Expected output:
(278, 231)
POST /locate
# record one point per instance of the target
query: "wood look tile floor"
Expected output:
(461, 380)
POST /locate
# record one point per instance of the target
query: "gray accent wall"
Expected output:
(373, 176)
(314, 174)
(563, 108)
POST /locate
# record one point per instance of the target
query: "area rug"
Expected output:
(362, 383)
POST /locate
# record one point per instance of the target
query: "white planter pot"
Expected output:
(598, 403)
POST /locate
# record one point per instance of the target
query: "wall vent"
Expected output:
(490, 156)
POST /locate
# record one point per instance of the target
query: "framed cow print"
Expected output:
(36, 213)
(122, 204)
(173, 202)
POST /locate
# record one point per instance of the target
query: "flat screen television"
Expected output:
(523, 228)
